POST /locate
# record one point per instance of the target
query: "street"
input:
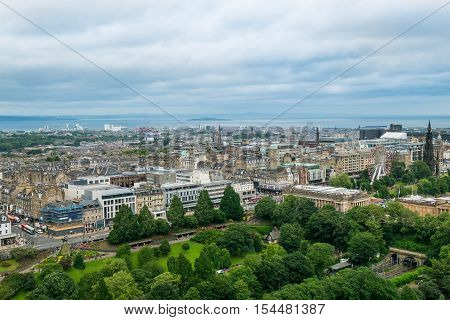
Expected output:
(44, 242)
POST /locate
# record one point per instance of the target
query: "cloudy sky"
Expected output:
(224, 56)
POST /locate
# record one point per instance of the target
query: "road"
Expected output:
(44, 242)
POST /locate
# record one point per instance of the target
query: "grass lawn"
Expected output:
(240, 260)
(13, 265)
(175, 250)
(91, 266)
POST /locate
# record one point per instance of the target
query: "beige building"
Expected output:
(92, 215)
(426, 206)
(152, 198)
(352, 162)
(341, 198)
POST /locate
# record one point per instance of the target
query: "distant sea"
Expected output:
(33, 123)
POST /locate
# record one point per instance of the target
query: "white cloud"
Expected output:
(196, 56)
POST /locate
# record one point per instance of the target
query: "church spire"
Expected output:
(428, 152)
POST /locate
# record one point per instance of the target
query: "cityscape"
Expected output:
(256, 210)
(231, 159)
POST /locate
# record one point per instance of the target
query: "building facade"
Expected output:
(6, 235)
(426, 206)
(151, 197)
(341, 199)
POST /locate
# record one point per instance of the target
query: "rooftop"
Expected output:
(328, 190)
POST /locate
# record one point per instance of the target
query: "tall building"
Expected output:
(428, 152)
(317, 135)
(371, 132)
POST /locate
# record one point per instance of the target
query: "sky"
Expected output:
(219, 57)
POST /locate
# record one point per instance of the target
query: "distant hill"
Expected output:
(208, 119)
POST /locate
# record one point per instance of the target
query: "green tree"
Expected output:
(113, 266)
(407, 293)
(218, 216)
(78, 261)
(398, 169)
(204, 268)
(241, 290)
(430, 290)
(175, 214)
(363, 247)
(321, 256)
(265, 208)
(220, 257)
(181, 266)
(165, 287)
(216, 288)
(48, 268)
(230, 204)
(272, 274)
(92, 286)
(204, 210)
(144, 256)
(299, 267)
(66, 262)
(291, 235)
(293, 209)
(58, 286)
(125, 227)
(359, 284)
(143, 279)
(192, 294)
(164, 247)
(310, 289)
(246, 274)
(239, 239)
(122, 286)
(420, 170)
(154, 268)
(341, 181)
(162, 226)
(383, 192)
(124, 252)
(146, 222)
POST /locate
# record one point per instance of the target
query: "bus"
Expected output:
(28, 229)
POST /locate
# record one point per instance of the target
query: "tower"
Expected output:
(317, 135)
(428, 153)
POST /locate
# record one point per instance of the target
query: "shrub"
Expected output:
(185, 246)
(123, 250)
(145, 255)
(5, 264)
(78, 262)
(164, 247)
(208, 236)
(190, 222)
(66, 262)
(14, 282)
(22, 254)
(407, 277)
(156, 252)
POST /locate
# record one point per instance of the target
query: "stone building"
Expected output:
(341, 198)
(426, 206)
(151, 197)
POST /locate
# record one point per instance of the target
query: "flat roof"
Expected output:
(328, 190)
